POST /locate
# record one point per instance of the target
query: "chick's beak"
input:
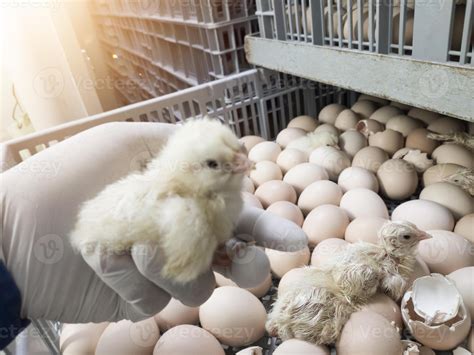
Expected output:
(424, 236)
(241, 164)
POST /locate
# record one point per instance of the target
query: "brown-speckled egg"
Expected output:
(283, 261)
(384, 114)
(307, 123)
(326, 250)
(370, 158)
(388, 140)
(303, 175)
(398, 179)
(455, 154)
(437, 173)
(275, 190)
(447, 125)
(289, 158)
(364, 229)
(289, 134)
(454, 198)
(352, 141)
(324, 222)
(423, 115)
(330, 112)
(403, 124)
(465, 227)
(417, 139)
(264, 151)
(426, 215)
(322, 192)
(251, 141)
(365, 108)
(363, 203)
(287, 210)
(346, 120)
(331, 159)
(355, 177)
(265, 171)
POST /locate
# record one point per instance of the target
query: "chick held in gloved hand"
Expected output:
(187, 201)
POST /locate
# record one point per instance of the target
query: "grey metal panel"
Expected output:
(467, 33)
(317, 11)
(279, 8)
(382, 30)
(447, 89)
(432, 29)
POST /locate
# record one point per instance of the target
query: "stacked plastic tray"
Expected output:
(157, 47)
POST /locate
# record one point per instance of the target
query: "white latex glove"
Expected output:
(40, 201)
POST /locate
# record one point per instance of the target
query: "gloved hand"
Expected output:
(40, 201)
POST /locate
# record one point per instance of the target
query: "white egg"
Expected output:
(303, 175)
(300, 347)
(363, 203)
(464, 281)
(330, 112)
(355, 177)
(403, 124)
(175, 313)
(423, 115)
(352, 141)
(326, 250)
(307, 123)
(389, 140)
(283, 261)
(323, 192)
(264, 151)
(289, 158)
(324, 222)
(250, 200)
(426, 215)
(326, 127)
(273, 191)
(365, 108)
(331, 159)
(265, 171)
(251, 141)
(384, 114)
(465, 227)
(398, 179)
(454, 198)
(447, 125)
(292, 277)
(289, 134)
(364, 229)
(346, 120)
(287, 210)
(80, 338)
(370, 158)
(453, 153)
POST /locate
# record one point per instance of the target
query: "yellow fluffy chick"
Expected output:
(187, 200)
(313, 140)
(316, 308)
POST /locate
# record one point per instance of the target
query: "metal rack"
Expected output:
(417, 53)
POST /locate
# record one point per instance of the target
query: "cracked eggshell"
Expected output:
(465, 227)
(414, 156)
(355, 177)
(447, 125)
(265, 171)
(304, 122)
(185, 339)
(352, 141)
(250, 200)
(273, 191)
(326, 250)
(454, 198)
(367, 332)
(80, 338)
(324, 222)
(331, 159)
(287, 210)
(300, 347)
(290, 158)
(423, 115)
(389, 140)
(283, 261)
(346, 120)
(365, 108)
(264, 151)
(326, 127)
(446, 252)
(384, 114)
(435, 314)
(363, 203)
(418, 139)
(303, 175)
(438, 173)
(330, 112)
(364, 229)
(403, 124)
(385, 306)
(289, 134)
(323, 192)
(247, 185)
(251, 141)
(398, 179)
(426, 215)
(455, 154)
(369, 126)
(464, 281)
(370, 158)
(175, 313)
(413, 348)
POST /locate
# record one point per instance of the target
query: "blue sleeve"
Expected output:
(11, 323)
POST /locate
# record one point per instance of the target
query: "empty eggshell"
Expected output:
(355, 177)
(365, 108)
(287, 210)
(384, 114)
(438, 173)
(330, 112)
(446, 125)
(398, 179)
(326, 127)
(126, 337)
(265, 151)
(234, 316)
(247, 185)
(283, 261)
(426, 215)
(413, 348)
(265, 171)
(290, 158)
(300, 347)
(80, 338)
(251, 141)
(324, 222)
(326, 251)
(292, 277)
(323, 192)
(273, 191)
(388, 140)
(369, 126)
(186, 339)
(418, 139)
(352, 141)
(303, 175)
(446, 252)
(434, 313)
(259, 290)
(464, 281)
(454, 198)
(423, 115)
(465, 227)
(346, 120)
(364, 229)
(175, 313)
(367, 332)
(386, 307)
(306, 123)
(288, 134)
(377, 100)
(418, 159)
(455, 154)
(331, 159)
(370, 158)
(403, 124)
(250, 200)
(363, 203)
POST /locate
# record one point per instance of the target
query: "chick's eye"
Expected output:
(406, 237)
(212, 164)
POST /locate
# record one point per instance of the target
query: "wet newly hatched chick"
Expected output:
(316, 308)
(464, 178)
(187, 200)
(313, 140)
(462, 138)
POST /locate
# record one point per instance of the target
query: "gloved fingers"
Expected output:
(149, 260)
(269, 230)
(142, 298)
(250, 265)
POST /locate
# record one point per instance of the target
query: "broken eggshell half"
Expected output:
(434, 312)
(414, 348)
